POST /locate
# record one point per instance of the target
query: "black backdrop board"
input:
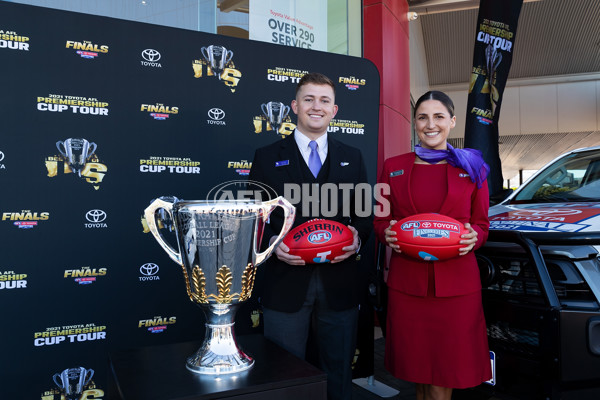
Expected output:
(78, 275)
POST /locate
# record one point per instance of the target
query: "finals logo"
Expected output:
(77, 156)
(157, 324)
(85, 275)
(159, 111)
(241, 167)
(217, 60)
(351, 82)
(275, 115)
(86, 49)
(10, 40)
(26, 219)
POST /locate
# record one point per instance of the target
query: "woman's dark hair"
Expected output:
(439, 96)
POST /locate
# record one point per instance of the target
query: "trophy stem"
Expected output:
(219, 353)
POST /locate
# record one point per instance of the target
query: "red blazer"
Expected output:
(464, 202)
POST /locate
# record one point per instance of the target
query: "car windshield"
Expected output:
(574, 178)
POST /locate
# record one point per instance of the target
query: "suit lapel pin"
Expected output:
(344, 163)
(396, 173)
(282, 163)
(463, 175)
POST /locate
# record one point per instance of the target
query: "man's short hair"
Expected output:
(315, 78)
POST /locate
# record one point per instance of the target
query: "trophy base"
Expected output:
(219, 353)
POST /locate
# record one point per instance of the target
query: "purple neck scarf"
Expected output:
(470, 160)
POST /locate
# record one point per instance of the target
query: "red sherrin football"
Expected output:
(429, 236)
(318, 240)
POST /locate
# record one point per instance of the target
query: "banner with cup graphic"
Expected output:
(492, 58)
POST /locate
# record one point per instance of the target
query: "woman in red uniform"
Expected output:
(436, 333)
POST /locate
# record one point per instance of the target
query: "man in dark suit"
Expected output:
(296, 296)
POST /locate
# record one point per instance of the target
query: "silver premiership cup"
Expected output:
(275, 112)
(76, 151)
(73, 380)
(218, 248)
(217, 57)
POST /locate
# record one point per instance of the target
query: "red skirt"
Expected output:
(437, 340)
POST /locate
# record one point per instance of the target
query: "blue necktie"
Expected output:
(314, 161)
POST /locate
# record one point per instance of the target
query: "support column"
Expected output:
(386, 44)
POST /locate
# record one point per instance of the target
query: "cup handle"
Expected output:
(61, 143)
(289, 213)
(229, 56)
(150, 214)
(88, 379)
(54, 378)
(91, 150)
(204, 52)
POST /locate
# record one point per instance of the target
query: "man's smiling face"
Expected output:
(315, 107)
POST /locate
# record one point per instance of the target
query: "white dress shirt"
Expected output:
(302, 141)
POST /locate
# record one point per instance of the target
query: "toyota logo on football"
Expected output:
(149, 271)
(216, 116)
(151, 55)
(151, 58)
(95, 216)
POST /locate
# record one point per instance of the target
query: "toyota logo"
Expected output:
(95, 216)
(151, 55)
(149, 269)
(426, 224)
(1, 156)
(216, 114)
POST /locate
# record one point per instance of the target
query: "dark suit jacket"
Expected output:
(282, 286)
(464, 202)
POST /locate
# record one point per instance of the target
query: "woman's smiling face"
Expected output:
(433, 123)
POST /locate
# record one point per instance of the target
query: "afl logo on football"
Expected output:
(319, 237)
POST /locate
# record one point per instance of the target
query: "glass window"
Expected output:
(340, 19)
(198, 15)
(573, 178)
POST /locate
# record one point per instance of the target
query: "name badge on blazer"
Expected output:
(396, 173)
(282, 163)
(463, 175)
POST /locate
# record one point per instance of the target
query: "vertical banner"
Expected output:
(291, 23)
(492, 57)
